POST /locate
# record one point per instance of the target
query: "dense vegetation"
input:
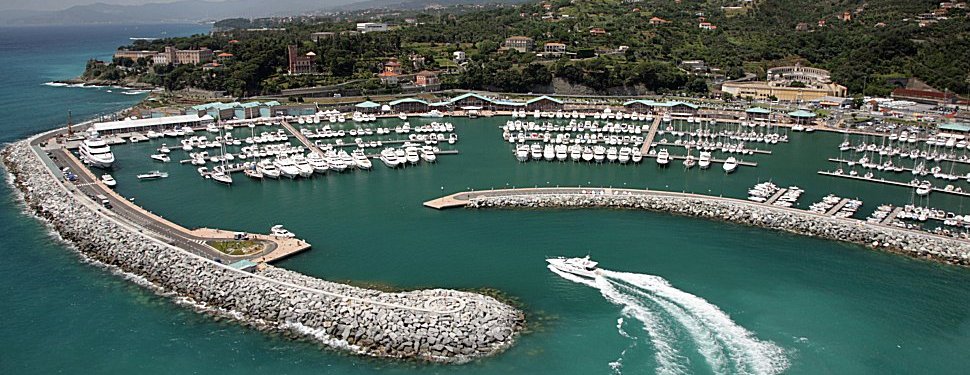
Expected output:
(882, 40)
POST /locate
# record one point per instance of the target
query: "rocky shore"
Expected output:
(912, 243)
(435, 325)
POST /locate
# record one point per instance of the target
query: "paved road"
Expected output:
(159, 229)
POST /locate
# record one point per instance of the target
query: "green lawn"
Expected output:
(231, 247)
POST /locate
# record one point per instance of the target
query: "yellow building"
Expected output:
(765, 90)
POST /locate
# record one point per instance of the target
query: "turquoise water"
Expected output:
(828, 307)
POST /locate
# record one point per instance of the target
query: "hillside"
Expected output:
(610, 44)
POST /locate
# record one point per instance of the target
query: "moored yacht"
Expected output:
(287, 168)
(705, 160)
(389, 158)
(96, 152)
(108, 181)
(663, 157)
(306, 170)
(599, 153)
(522, 152)
(361, 160)
(268, 169)
(428, 155)
(730, 165)
(411, 155)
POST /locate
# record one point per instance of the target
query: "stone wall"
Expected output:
(912, 243)
(435, 325)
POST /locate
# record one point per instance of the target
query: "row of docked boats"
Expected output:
(561, 152)
(573, 127)
(409, 154)
(605, 115)
(577, 139)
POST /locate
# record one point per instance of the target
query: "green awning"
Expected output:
(801, 113)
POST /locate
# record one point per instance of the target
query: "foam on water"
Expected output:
(726, 346)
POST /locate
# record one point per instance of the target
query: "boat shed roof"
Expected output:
(367, 104)
(544, 97)
(471, 95)
(801, 113)
(509, 103)
(154, 121)
(759, 110)
(407, 100)
(956, 126)
(244, 264)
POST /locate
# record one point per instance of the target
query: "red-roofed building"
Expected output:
(301, 64)
(597, 31)
(657, 21)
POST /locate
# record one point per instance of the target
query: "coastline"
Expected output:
(435, 325)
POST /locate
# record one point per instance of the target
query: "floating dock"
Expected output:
(648, 142)
(837, 207)
(891, 182)
(775, 197)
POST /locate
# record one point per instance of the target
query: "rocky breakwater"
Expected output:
(435, 325)
(912, 243)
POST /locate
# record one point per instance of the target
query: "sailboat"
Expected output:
(221, 175)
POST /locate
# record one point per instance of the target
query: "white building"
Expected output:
(458, 56)
(370, 27)
(155, 123)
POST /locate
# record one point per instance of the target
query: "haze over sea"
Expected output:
(681, 295)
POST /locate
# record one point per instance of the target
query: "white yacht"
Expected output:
(730, 165)
(96, 152)
(612, 154)
(153, 175)
(428, 155)
(108, 181)
(287, 167)
(636, 155)
(599, 153)
(306, 170)
(561, 152)
(624, 156)
(663, 157)
(278, 231)
(583, 267)
(522, 152)
(587, 154)
(268, 169)
(705, 160)
(389, 158)
(576, 152)
(536, 151)
(549, 152)
(361, 159)
(411, 155)
(161, 157)
(318, 162)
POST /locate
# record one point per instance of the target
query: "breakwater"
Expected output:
(911, 243)
(436, 325)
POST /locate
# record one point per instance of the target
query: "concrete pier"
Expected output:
(648, 142)
(891, 182)
(777, 195)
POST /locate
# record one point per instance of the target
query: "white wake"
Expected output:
(664, 311)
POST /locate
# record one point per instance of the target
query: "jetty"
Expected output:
(892, 216)
(837, 207)
(648, 142)
(777, 195)
(891, 182)
(713, 160)
(302, 138)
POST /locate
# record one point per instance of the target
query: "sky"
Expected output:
(64, 4)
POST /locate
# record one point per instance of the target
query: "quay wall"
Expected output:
(882, 237)
(435, 325)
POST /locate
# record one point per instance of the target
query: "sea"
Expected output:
(677, 295)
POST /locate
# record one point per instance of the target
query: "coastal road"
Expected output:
(162, 230)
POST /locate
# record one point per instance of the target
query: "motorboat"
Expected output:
(306, 170)
(561, 152)
(164, 149)
(287, 167)
(549, 152)
(268, 169)
(587, 154)
(161, 157)
(278, 231)
(599, 153)
(96, 152)
(730, 165)
(411, 155)
(636, 155)
(361, 160)
(663, 157)
(108, 181)
(612, 154)
(153, 175)
(389, 158)
(318, 162)
(522, 152)
(624, 156)
(705, 160)
(582, 267)
(428, 154)
(535, 151)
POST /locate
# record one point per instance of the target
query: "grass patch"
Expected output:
(231, 247)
